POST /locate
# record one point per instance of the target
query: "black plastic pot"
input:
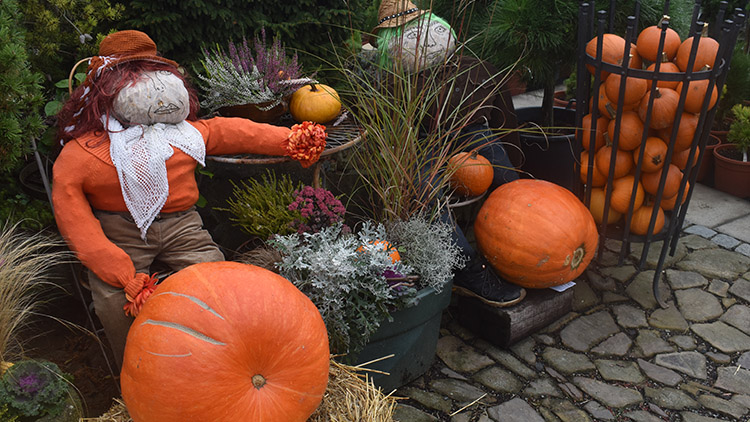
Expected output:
(549, 157)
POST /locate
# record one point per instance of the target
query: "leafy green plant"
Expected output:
(261, 206)
(739, 130)
(21, 99)
(33, 389)
(736, 87)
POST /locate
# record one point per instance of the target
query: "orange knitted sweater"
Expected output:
(84, 177)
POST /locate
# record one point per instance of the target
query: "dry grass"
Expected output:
(350, 397)
(25, 258)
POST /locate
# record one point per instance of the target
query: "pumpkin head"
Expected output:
(586, 131)
(316, 103)
(622, 193)
(630, 133)
(654, 153)
(535, 233)
(470, 173)
(225, 341)
(705, 55)
(664, 108)
(642, 218)
(648, 43)
(671, 185)
(596, 206)
(696, 94)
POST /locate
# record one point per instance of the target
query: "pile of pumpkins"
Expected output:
(633, 119)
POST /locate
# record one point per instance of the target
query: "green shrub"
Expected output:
(20, 90)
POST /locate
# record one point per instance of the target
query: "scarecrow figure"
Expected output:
(124, 187)
(417, 41)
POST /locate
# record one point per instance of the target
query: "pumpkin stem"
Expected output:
(664, 19)
(578, 256)
(314, 87)
(704, 31)
(258, 381)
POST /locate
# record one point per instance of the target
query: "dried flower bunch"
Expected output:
(243, 75)
(307, 140)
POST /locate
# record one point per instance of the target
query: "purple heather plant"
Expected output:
(318, 209)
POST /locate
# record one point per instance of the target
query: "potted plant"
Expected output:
(250, 82)
(731, 167)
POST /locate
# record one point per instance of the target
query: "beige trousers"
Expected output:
(176, 240)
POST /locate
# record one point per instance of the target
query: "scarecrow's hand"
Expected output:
(306, 142)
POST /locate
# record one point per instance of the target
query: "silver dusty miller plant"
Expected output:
(343, 273)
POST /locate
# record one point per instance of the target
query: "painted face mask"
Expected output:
(157, 97)
(425, 42)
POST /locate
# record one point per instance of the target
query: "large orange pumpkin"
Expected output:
(535, 233)
(225, 341)
(470, 173)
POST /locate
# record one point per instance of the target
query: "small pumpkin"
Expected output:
(225, 341)
(586, 130)
(696, 94)
(663, 110)
(535, 233)
(642, 218)
(606, 107)
(596, 206)
(654, 153)
(671, 185)
(623, 161)
(668, 204)
(613, 50)
(648, 42)
(470, 173)
(392, 251)
(665, 67)
(597, 178)
(315, 103)
(622, 193)
(685, 131)
(630, 131)
(680, 158)
(635, 89)
(705, 55)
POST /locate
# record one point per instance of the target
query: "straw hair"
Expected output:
(350, 397)
(394, 13)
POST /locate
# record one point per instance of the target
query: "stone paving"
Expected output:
(618, 356)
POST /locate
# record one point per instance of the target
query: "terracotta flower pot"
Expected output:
(706, 169)
(731, 175)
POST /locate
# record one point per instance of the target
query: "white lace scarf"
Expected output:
(139, 154)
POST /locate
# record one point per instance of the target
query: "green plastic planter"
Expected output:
(411, 337)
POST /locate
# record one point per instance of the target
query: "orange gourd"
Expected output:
(705, 54)
(630, 133)
(642, 217)
(665, 67)
(696, 94)
(623, 161)
(664, 108)
(654, 153)
(613, 49)
(392, 251)
(535, 233)
(671, 185)
(668, 204)
(622, 193)
(470, 173)
(316, 103)
(597, 178)
(685, 131)
(680, 158)
(596, 206)
(225, 341)
(635, 89)
(586, 130)
(648, 42)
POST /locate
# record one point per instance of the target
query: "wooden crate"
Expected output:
(505, 326)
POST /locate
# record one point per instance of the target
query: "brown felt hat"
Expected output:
(394, 13)
(121, 47)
